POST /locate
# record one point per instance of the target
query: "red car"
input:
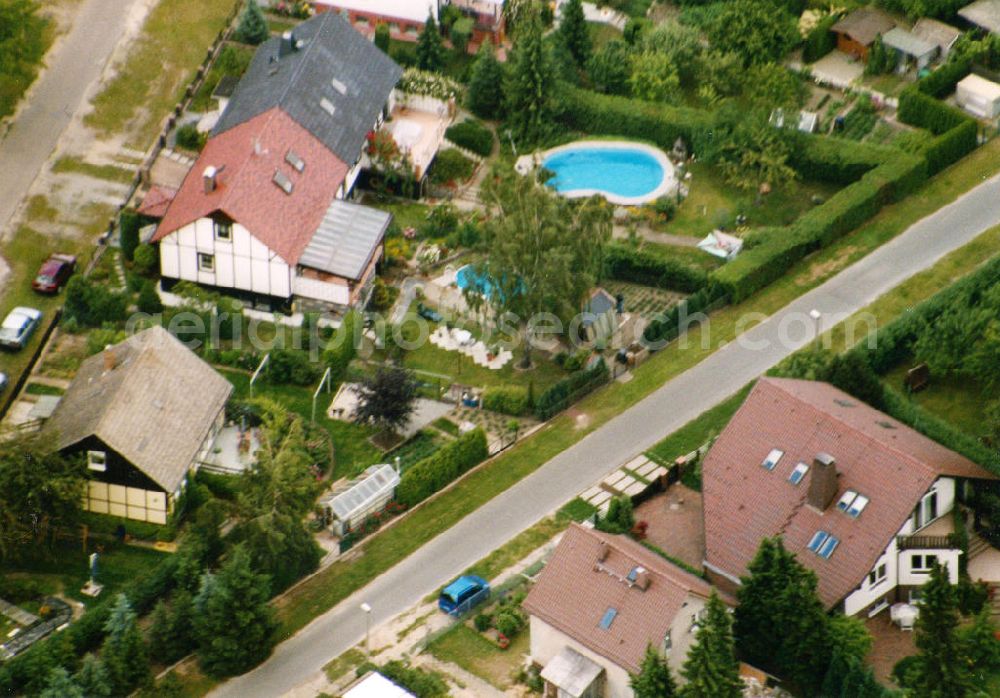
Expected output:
(54, 273)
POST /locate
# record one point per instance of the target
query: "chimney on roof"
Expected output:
(210, 178)
(110, 360)
(823, 482)
(602, 551)
(287, 45)
(642, 578)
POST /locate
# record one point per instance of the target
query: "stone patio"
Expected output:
(675, 523)
(890, 644)
(346, 400)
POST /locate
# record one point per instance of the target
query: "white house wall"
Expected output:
(547, 642)
(321, 290)
(243, 263)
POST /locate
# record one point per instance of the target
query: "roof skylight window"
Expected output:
(817, 540)
(772, 458)
(327, 106)
(293, 159)
(852, 503)
(339, 86)
(283, 182)
(798, 473)
(608, 618)
(826, 550)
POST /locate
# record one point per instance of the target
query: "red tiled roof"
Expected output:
(247, 157)
(576, 589)
(875, 455)
(156, 201)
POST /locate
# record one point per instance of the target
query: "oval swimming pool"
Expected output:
(624, 173)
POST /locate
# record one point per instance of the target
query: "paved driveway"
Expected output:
(670, 407)
(73, 66)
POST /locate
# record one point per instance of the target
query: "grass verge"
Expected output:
(111, 173)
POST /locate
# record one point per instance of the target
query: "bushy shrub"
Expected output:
(820, 40)
(129, 222)
(952, 146)
(509, 621)
(451, 166)
(188, 137)
(292, 366)
(943, 80)
(575, 361)
(149, 300)
(471, 135)
(442, 467)
(830, 160)
(570, 389)
(635, 266)
(482, 622)
(145, 259)
(512, 400)
(92, 305)
(665, 207)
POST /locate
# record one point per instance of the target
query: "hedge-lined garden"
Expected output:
(570, 389)
(636, 266)
(442, 467)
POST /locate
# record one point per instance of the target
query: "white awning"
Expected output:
(571, 672)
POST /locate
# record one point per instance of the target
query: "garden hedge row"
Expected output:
(918, 109)
(943, 80)
(668, 326)
(471, 135)
(570, 389)
(820, 40)
(775, 250)
(512, 400)
(442, 467)
(628, 264)
(828, 160)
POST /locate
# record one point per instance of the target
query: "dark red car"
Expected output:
(54, 273)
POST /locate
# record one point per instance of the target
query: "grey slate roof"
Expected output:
(907, 42)
(983, 13)
(346, 239)
(155, 407)
(332, 65)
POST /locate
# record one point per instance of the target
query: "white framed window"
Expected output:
(206, 262)
(798, 473)
(926, 511)
(877, 575)
(97, 460)
(922, 562)
(772, 458)
(852, 503)
(223, 230)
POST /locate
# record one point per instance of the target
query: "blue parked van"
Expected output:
(464, 593)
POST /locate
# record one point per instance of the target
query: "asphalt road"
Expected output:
(574, 470)
(74, 65)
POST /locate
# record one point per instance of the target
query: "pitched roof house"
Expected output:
(843, 484)
(984, 14)
(858, 30)
(600, 602)
(142, 412)
(261, 213)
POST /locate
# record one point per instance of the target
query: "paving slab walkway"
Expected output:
(17, 614)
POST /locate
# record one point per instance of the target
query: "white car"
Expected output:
(18, 326)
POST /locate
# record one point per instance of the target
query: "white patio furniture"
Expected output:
(904, 615)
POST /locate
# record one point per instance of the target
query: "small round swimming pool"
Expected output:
(622, 172)
(466, 276)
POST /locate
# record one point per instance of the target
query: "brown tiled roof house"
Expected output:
(844, 485)
(600, 602)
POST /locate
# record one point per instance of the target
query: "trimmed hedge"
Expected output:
(829, 160)
(663, 124)
(668, 326)
(943, 80)
(512, 400)
(952, 146)
(570, 389)
(918, 109)
(471, 135)
(626, 264)
(442, 467)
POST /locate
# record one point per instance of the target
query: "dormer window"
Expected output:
(852, 503)
(293, 159)
(223, 230)
(772, 458)
(327, 106)
(798, 473)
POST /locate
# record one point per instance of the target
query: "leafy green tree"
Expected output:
(654, 679)
(943, 669)
(386, 399)
(881, 60)
(772, 85)
(431, 52)
(91, 304)
(780, 623)
(171, 632)
(149, 300)
(531, 83)
(382, 37)
(751, 152)
(609, 69)
(343, 346)
(682, 45)
(145, 258)
(980, 644)
(485, 93)
(546, 253)
(234, 624)
(93, 678)
(574, 31)
(124, 652)
(61, 685)
(852, 374)
(711, 668)
(620, 517)
(758, 32)
(654, 77)
(253, 28)
(848, 638)
(129, 223)
(40, 491)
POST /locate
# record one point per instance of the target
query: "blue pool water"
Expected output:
(622, 171)
(466, 276)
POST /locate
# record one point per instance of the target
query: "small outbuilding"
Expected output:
(910, 48)
(938, 33)
(978, 96)
(857, 31)
(984, 14)
(374, 685)
(348, 506)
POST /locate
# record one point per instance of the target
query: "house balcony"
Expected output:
(937, 535)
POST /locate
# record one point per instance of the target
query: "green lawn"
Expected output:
(233, 60)
(479, 656)
(956, 400)
(353, 452)
(111, 173)
(23, 55)
(383, 550)
(712, 201)
(600, 34)
(152, 79)
(406, 214)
